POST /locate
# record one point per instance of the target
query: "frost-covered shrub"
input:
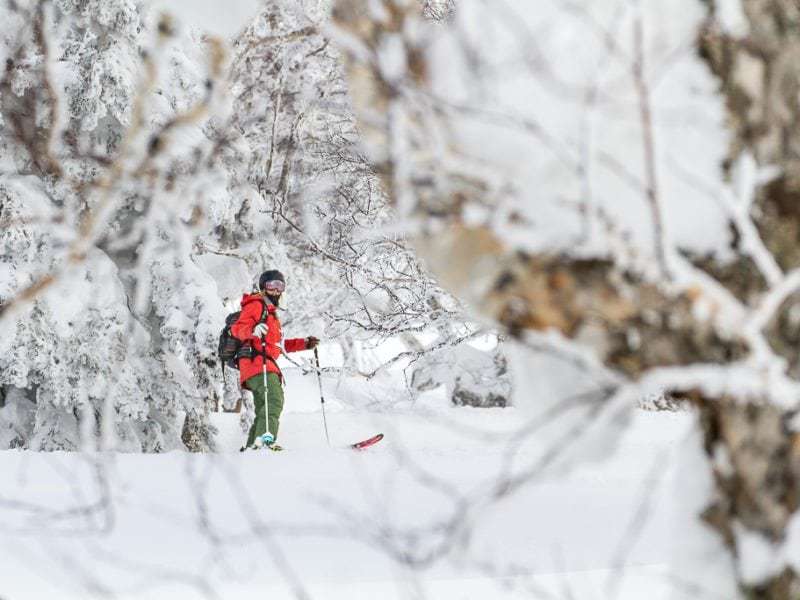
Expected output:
(616, 187)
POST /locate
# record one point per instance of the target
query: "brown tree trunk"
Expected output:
(753, 449)
(755, 460)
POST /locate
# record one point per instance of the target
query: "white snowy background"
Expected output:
(553, 496)
(412, 517)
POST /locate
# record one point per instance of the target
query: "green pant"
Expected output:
(274, 395)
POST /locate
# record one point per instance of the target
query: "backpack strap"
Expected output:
(264, 311)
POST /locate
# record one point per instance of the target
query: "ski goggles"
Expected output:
(275, 286)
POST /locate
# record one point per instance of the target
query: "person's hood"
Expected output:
(248, 298)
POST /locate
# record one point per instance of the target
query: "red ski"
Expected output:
(367, 443)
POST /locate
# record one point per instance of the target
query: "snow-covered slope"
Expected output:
(413, 517)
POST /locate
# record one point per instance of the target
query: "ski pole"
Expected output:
(266, 388)
(321, 396)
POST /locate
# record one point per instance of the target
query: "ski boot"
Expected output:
(263, 441)
(267, 441)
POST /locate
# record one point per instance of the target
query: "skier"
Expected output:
(258, 323)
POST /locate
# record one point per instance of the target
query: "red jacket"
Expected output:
(242, 329)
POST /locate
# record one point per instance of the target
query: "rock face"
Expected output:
(470, 376)
(486, 385)
(198, 433)
(17, 417)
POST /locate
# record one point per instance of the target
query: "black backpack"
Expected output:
(231, 349)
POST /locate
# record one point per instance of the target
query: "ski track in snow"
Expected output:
(318, 521)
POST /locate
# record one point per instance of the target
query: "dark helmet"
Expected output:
(271, 275)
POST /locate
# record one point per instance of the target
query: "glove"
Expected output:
(260, 330)
(311, 342)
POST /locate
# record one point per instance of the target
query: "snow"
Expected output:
(334, 523)
(760, 558)
(699, 557)
(550, 97)
(206, 15)
(551, 498)
(732, 18)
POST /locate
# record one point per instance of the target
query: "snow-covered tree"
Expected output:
(146, 180)
(108, 172)
(331, 225)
